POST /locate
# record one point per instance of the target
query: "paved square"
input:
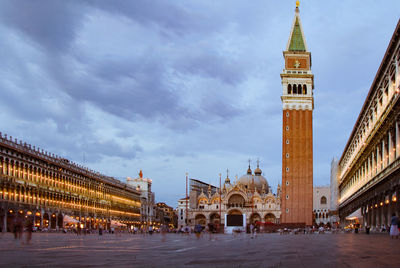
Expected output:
(267, 250)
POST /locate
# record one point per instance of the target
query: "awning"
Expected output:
(355, 215)
(117, 224)
(68, 219)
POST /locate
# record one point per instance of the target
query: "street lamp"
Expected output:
(220, 201)
(187, 200)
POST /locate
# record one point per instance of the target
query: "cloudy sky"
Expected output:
(181, 86)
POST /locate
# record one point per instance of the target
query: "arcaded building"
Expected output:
(368, 171)
(46, 187)
(297, 133)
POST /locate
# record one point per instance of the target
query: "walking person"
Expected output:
(197, 230)
(164, 230)
(394, 230)
(78, 228)
(252, 230)
(29, 227)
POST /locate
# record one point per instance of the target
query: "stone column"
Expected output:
(397, 140)
(41, 218)
(390, 146)
(369, 215)
(378, 160)
(364, 214)
(390, 87)
(373, 215)
(383, 216)
(369, 167)
(379, 214)
(389, 209)
(5, 221)
(384, 153)
(373, 172)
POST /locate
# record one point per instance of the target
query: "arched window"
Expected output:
(305, 89)
(289, 89)
(299, 89)
(294, 89)
(323, 200)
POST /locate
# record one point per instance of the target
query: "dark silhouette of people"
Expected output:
(29, 227)
(17, 227)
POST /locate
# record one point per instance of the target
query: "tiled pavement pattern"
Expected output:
(267, 250)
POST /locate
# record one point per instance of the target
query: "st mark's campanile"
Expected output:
(297, 133)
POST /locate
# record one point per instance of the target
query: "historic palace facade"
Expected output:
(45, 187)
(297, 132)
(368, 173)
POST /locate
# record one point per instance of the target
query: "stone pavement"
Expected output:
(267, 250)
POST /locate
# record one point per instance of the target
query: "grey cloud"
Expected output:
(51, 24)
(168, 16)
(210, 65)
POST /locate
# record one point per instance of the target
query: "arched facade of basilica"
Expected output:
(250, 196)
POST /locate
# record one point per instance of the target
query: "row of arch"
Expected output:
(51, 219)
(321, 215)
(53, 177)
(215, 219)
(33, 196)
(297, 89)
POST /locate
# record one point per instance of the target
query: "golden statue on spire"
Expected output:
(297, 3)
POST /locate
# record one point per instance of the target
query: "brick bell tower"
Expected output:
(297, 133)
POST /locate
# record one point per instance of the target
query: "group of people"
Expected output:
(19, 225)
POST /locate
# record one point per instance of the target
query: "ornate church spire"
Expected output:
(249, 172)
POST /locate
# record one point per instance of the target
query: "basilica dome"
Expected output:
(260, 183)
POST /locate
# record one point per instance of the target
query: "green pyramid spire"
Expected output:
(296, 40)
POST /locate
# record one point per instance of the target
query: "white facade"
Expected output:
(334, 202)
(181, 211)
(321, 204)
(147, 213)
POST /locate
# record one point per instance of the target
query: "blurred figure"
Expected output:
(394, 230)
(17, 227)
(163, 232)
(78, 229)
(197, 230)
(29, 228)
